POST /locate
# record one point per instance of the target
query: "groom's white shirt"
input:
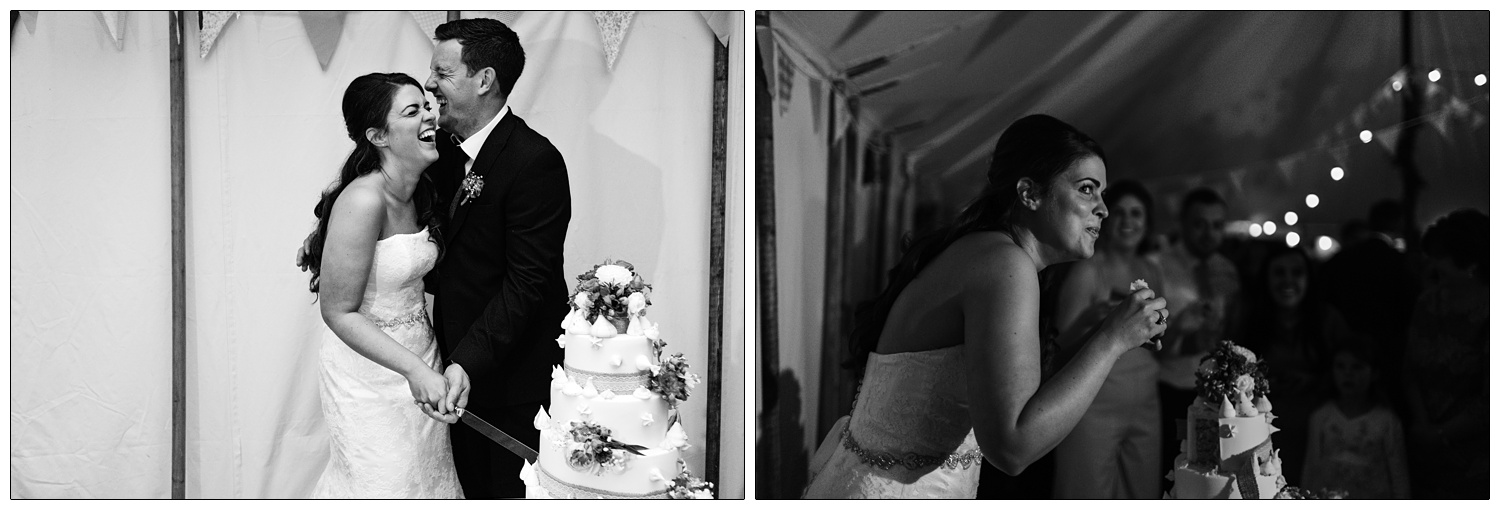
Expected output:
(472, 144)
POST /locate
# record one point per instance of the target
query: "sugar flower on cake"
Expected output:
(590, 448)
(687, 486)
(676, 438)
(671, 378)
(607, 293)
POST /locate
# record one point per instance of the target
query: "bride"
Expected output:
(377, 236)
(952, 362)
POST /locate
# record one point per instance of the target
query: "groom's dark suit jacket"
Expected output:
(500, 290)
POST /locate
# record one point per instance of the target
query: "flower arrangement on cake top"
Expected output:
(610, 294)
(589, 447)
(1233, 380)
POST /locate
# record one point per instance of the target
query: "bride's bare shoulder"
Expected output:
(991, 256)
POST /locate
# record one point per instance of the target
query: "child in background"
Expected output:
(1355, 440)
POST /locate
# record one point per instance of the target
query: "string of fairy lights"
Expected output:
(1325, 244)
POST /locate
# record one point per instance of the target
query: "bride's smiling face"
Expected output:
(1071, 211)
(411, 127)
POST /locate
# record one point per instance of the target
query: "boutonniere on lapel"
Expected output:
(473, 186)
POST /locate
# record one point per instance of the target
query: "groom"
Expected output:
(499, 288)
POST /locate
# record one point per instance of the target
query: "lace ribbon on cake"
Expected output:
(618, 383)
(1244, 474)
(910, 460)
(564, 490)
(418, 317)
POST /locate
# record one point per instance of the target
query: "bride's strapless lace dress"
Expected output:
(909, 435)
(380, 443)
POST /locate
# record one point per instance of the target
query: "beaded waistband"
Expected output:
(563, 490)
(420, 316)
(910, 460)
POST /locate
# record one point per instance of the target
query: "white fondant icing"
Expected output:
(602, 328)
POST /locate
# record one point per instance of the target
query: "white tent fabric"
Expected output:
(91, 291)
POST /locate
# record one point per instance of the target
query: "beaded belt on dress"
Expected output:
(909, 460)
(418, 317)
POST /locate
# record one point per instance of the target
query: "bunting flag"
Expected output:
(114, 21)
(815, 95)
(1387, 138)
(1237, 179)
(1287, 167)
(429, 21)
(213, 23)
(784, 81)
(509, 17)
(1440, 121)
(721, 22)
(1340, 156)
(612, 27)
(324, 29)
(28, 18)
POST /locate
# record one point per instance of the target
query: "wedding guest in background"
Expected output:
(1377, 308)
(1288, 323)
(1203, 287)
(1114, 451)
(1447, 362)
(1355, 442)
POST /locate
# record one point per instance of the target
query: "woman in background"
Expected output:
(1113, 452)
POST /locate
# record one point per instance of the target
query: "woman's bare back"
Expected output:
(928, 314)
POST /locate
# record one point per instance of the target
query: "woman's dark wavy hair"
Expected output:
(1038, 147)
(366, 104)
(1127, 188)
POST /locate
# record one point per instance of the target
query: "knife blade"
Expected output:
(498, 436)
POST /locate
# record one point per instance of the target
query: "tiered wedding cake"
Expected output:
(612, 430)
(1227, 453)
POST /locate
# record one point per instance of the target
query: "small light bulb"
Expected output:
(1292, 239)
(1254, 230)
(1480, 80)
(1269, 227)
(1337, 173)
(1396, 85)
(1325, 243)
(1312, 200)
(1435, 75)
(1365, 136)
(1291, 218)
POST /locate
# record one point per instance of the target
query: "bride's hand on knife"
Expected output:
(458, 389)
(430, 388)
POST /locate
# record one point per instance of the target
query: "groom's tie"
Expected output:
(463, 157)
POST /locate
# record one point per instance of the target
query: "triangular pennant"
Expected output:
(429, 21)
(1387, 138)
(815, 94)
(784, 74)
(612, 27)
(28, 18)
(213, 23)
(324, 29)
(721, 22)
(1237, 179)
(114, 21)
(1359, 115)
(1287, 168)
(508, 17)
(1460, 109)
(1440, 121)
(1340, 156)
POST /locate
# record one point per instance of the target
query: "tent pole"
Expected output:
(716, 262)
(1411, 107)
(768, 469)
(453, 15)
(179, 257)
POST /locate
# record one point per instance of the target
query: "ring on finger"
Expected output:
(1161, 317)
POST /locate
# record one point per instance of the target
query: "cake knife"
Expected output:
(498, 436)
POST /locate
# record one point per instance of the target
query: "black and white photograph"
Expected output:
(378, 254)
(1083, 255)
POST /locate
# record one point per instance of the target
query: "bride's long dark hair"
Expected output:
(366, 104)
(1038, 147)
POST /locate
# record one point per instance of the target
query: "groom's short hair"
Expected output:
(487, 43)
